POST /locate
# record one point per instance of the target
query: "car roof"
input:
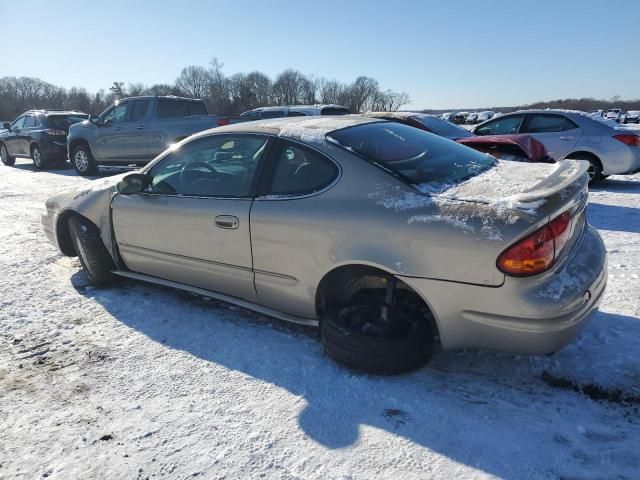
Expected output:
(299, 108)
(55, 112)
(306, 129)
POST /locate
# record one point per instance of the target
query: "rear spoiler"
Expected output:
(565, 173)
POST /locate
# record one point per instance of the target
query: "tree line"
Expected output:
(224, 95)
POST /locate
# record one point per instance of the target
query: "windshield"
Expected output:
(429, 162)
(443, 128)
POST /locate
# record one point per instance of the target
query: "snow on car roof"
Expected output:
(306, 129)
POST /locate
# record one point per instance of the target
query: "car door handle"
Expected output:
(227, 221)
(140, 127)
(566, 138)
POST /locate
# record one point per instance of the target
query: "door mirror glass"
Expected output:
(133, 183)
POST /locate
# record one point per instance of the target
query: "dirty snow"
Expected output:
(138, 381)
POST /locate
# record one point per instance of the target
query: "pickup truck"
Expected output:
(132, 131)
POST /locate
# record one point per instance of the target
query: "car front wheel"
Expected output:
(83, 161)
(4, 156)
(93, 255)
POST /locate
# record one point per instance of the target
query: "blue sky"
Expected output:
(445, 54)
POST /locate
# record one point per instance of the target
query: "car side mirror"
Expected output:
(6, 125)
(94, 119)
(133, 183)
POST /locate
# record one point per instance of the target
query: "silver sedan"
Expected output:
(388, 238)
(608, 147)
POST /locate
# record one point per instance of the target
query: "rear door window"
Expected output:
(543, 123)
(501, 126)
(169, 108)
(197, 108)
(334, 111)
(139, 110)
(429, 162)
(300, 171)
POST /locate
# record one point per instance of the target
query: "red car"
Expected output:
(523, 148)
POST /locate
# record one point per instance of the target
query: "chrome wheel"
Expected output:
(37, 158)
(81, 160)
(3, 154)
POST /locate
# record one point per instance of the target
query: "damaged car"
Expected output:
(389, 239)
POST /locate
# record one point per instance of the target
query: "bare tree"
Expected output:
(194, 81)
(117, 89)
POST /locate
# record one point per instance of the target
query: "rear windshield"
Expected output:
(443, 128)
(65, 121)
(429, 162)
(334, 111)
(169, 108)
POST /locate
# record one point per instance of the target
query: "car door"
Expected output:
(555, 131)
(135, 131)
(27, 134)
(191, 225)
(109, 143)
(285, 231)
(504, 125)
(14, 137)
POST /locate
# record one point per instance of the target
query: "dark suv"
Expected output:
(40, 135)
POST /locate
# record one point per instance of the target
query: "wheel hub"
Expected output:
(81, 160)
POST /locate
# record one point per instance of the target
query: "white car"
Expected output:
(632, 116)
(614, 114)
(472, 118)
(484, 116)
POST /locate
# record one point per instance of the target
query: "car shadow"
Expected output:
(617, 185)
(486, 410)
(66, 169)
(614, 217)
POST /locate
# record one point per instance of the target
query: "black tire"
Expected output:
(375, 354)
(93, 255)
(5, 157)
(595, 167)
(83, 161)
(39, 162)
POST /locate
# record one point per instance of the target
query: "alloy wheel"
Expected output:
(81, 160)
(3, 154)
(37, 159)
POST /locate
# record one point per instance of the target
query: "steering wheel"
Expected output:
(194, 166)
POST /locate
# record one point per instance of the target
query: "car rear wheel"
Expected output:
(93, 255)
(595, 167)
(83, 161)
(370, 335)
(4, 156)
(38, 160)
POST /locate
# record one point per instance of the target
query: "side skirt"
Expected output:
(309, 322)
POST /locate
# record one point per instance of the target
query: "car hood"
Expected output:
(77, 197)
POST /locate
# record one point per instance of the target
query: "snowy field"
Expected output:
(139, 381)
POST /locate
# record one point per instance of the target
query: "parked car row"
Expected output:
(469, 118)
(617, 115)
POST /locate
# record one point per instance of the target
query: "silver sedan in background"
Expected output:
(388, 238)
(609, 148)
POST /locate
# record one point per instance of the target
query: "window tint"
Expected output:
(117, 113)
(301, 171)
(19, 123)
(442, 127)
(296, 114)
(139, 110)
(30, 122)
(430, 162)
(273, 114)
(219, 165)
(569, 125)
(334, 111)
(169, 108)
(542, 123)
(64, 121)
(501, 126)
(197, 108)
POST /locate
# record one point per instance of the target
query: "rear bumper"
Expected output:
(54, 151)
(536, 315)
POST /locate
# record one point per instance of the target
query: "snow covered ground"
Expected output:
(139, 381)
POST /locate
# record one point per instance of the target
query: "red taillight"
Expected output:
(55, 131)
(223, 121)
(537, 252)
(629, 139)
